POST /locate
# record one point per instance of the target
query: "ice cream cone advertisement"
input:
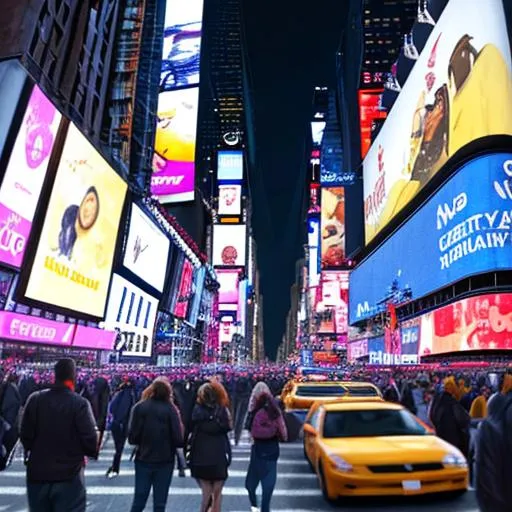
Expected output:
(459, 90)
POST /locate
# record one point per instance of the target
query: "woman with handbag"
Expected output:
(210, 449)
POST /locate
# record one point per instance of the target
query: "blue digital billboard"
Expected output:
(464, 229)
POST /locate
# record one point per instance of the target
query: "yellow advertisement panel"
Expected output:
(74, 257)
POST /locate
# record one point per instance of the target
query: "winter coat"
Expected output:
(121, 406)
(11, 404)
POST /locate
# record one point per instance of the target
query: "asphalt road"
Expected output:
(297, 489)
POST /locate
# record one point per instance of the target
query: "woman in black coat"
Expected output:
(210, 449)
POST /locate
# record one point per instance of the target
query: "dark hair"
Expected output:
(65, 369)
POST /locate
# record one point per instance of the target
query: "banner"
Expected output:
(356, 350)
(459, 91)
(333, 227)
(73, 261)
(25, 175)
(92, 338)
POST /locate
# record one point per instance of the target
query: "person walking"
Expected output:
(210, 449)
(120, 409)
(156, 430)
(10, 406)
(58, 431)
(266, 424)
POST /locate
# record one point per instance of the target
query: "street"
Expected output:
(297, 489)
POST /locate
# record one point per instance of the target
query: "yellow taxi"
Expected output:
(298, 397)
(376, 448)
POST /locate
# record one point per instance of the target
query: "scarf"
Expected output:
(70, 385)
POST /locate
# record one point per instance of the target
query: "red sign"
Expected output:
(369, 111)
(325, 358)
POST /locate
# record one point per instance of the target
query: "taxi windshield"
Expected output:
(371, 423)
(319, 391)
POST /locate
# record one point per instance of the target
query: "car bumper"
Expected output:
(353, 484)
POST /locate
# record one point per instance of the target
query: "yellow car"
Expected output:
(298, 397)
(376, 448)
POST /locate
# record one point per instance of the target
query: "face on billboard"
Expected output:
(230, 199)
(229, 244)
(74, 256)
(464, 229)
(333, 227)
(147, 249)
(369, 110)
(182, 44)
(227, 328)
(175, 146)
(230, 165)
(478, 323)
(228, 280)
(24, 176)
(459, 90)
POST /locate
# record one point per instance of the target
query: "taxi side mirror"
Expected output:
(310, 430)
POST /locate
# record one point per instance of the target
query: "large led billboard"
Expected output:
(230, 165)
(369, 111)
(25, 175)
(332, 307)
(229, 245)
(229, 282)
(459, 90)
(230, 199)
(313, 245)
(333, 227)
(74, 255)
(317, 132)
(464, 229)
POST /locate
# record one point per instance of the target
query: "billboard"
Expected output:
(317, 132)
(333, 227)
(184, 290)
(464, 229)
(357, 349)
(25, 175)
(173, 178)
(132, 312)
(198, 287)
(227, 328)
(369, 111)
(147, 249)
(182, 44)
(314, 257)
(230, 165)
(459, 90)
(478, 323)
(228, 281)
(74, 255)
(230, 199)
(229, 245)
(332, 306)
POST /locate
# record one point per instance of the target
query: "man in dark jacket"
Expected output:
(58, 431)
(10, 405)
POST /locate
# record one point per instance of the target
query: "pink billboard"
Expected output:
(92, 338)
(228, 291)
(25, 175)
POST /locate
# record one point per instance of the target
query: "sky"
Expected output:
(292, 48)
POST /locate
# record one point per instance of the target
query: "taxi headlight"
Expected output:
(454, 460)
(340, 464)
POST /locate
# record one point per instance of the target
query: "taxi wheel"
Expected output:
(323, 486)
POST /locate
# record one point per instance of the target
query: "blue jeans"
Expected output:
(262, 471)
(55, 496)
(156, 476)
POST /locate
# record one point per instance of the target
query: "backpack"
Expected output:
(263, 427)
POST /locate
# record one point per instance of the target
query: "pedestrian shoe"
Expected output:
(255, 509)
(181, 473)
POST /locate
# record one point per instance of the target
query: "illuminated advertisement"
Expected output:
(459, 90)
(357, 349)
(73, 261)
(230, 199)
(198, 287)
(132, 313)
(384, 350)
(410, 338)
(229, 245)
(313, 243)
(369, 110)
(333, 227)
(478, 323)
(314, 198)
(173, 177)
(464, 229)
(242, 305)
(332, 305)
(317, 132)
(182, 44)
(227, 328)
(184, 290)
(230, 165)
(228, 281)
(24, 176)
(147, 249)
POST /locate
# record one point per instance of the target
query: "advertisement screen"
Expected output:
(227, 328)
(369, 111)
(147, 249)
(357, 349)
(24, 176)
(229, 245)
(133, 313)
(230, 199)
(317, 132)
(333, 227)
(242, 305)
(228, 281)
(73, 261)
(173, 177)
(459, 90)
(410, 339)
(478, 323)
(462, 230)
(182, 301)
(230, 165)
(182, 44)
(332, 308)
(198, 287)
